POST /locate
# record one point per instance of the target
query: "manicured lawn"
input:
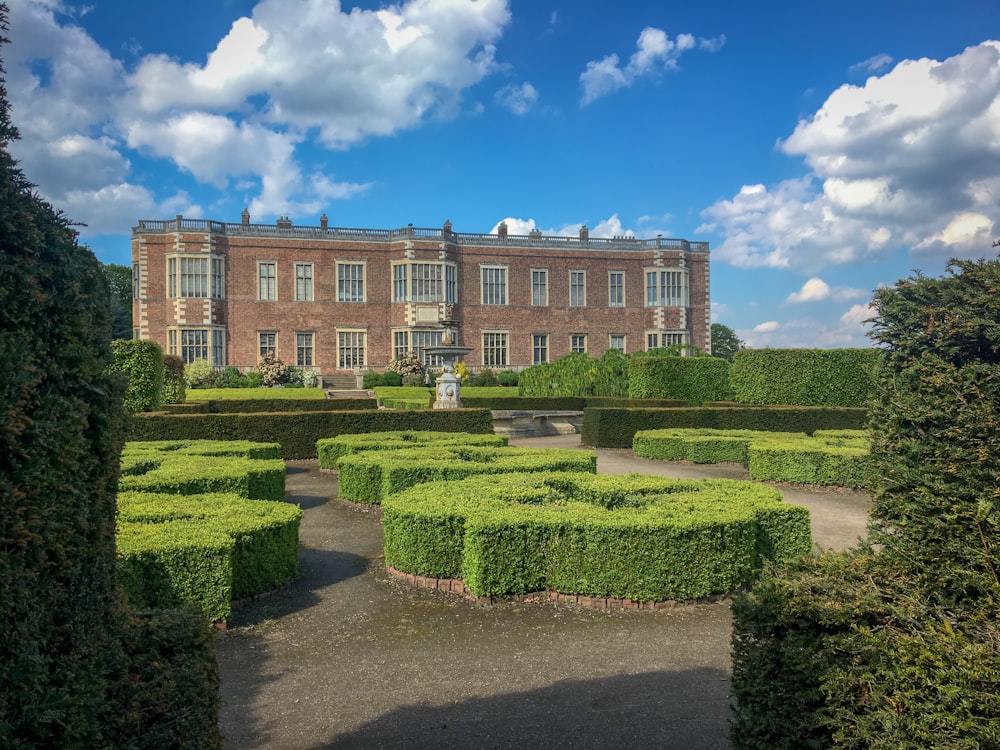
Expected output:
(220, 394)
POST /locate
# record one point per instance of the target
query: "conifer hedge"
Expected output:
(693, 380)
(804, 377)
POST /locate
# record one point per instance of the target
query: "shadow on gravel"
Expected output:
(684, 709)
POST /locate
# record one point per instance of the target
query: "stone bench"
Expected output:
(536, 423)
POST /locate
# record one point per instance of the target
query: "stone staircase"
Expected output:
(340, 382)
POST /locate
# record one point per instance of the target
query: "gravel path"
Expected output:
(344, 657)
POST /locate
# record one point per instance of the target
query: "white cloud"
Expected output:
(817, 290)
(849, 330)
(654, 53)
(518, 99)
(874, 64)
(719, 310)
(911, 159)
(767, 327)
(607, 228)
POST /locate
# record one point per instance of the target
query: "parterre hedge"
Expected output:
(249, 406)
(644, 538)
(805, 377)
(838, 458)
(177, 473)
(693, 380)
(615, 428)
(370, 476)
(331, 449)
(298, 432)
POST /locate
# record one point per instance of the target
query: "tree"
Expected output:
(120, 280)
(725, 342)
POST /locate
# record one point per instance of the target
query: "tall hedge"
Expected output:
(174, 386)
(142, 364)
(804, 377)
(692, 379)
(60, 437)
(578, 375)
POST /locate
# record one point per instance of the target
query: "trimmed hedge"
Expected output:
(168, 693)
(805, 377)
(578, 374)
(176, 473)
(255, 405)
(331, 449)
(204, 550)
(837, 458)
(174, 387)
(370, 476)
(642, 538)
(693, 380)
(280, 395)
(141, 362)
(298, 432)
(218, 448)
(615, 428)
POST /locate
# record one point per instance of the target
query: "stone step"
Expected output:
(340, 382)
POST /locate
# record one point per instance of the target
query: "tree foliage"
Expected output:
(725, 342)
(120, 281)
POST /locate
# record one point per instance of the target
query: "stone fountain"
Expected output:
(449, 385)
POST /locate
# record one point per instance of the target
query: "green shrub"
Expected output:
(577, 374)
(507, 378)
(173, 379)
(390, 378)
(691, 379)
(485, 378)
(413, 381)
(805, 377)
(615, 428)
(331, 449)
(142, 364)
(298, 432)
(60, 434)
(370, 476)
(372, 379)
(168, 693)
(641, 538)
(199, 374)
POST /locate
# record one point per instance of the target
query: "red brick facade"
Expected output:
(341, 299)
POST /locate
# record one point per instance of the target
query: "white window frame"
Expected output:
(424, 281)
(183, 282)
(192, 343)
(305, 348)
(267, 284)
(352, 348)
(539, 348)
(540, 287)
(666, 287)
(304, 282)
(574, 347)
(351, 281)
(616, 299)
(624, 342)
(493, 284)
(261, 350)
(495, 349)
(577, 288)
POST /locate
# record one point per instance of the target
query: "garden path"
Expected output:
(345, 657)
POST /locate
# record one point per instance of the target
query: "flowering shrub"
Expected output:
(462, 372)
(198, 374)
(408, 364)
(272, 370)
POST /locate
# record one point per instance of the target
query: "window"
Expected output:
(616, 289)
(218, 278)
(400, 344)
(578, 343)
(618, 342)
(267, 280)
(304, 282)
(539, 348)
(663, 339)
(135, 281)
(539, 287)
(188, 276)
(424, 282)
(351, 282)
(494, 349)
(494, 285)
(350, 349)
(422, 340)
(666, 288)
(577, 288)
(192, 344)
(304, 349)
(267, 343)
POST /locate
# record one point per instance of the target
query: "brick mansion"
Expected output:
(339, 300)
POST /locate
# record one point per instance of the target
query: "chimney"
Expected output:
(447, 226)
(245, 216)
(502, 230)
(283, 222)
(584, 233)
(324, 222)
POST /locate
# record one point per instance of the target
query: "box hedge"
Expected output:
(369, 476)
(805, 377)
(615, 428)
(245, 406)
(693, 380)
(141, 362)
(838, 458)
(298, 432)
(172, 472)
(634, 537)
(331, 449)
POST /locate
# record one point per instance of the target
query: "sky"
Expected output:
(823, 149)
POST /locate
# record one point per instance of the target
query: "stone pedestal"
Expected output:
(448, 387)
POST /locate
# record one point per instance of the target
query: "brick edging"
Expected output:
(457, 586)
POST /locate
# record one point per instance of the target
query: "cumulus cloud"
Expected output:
(291, 73)
(849, 330)
(654, 53)
(606, 228)
(817, 290)
(911, 160)
(518, 99)
(767, 326)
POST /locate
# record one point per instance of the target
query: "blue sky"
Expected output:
(822, 148)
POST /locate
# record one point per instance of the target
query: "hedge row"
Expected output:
(370, 476)
(175, 473)
(245, 406)
(635, 537)
(838, 458)
(141, 362)
(205, 549)
(692, 380)
(331, 449)
(298, 432)
(805, 377)
(280, 395)
(615, 428)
